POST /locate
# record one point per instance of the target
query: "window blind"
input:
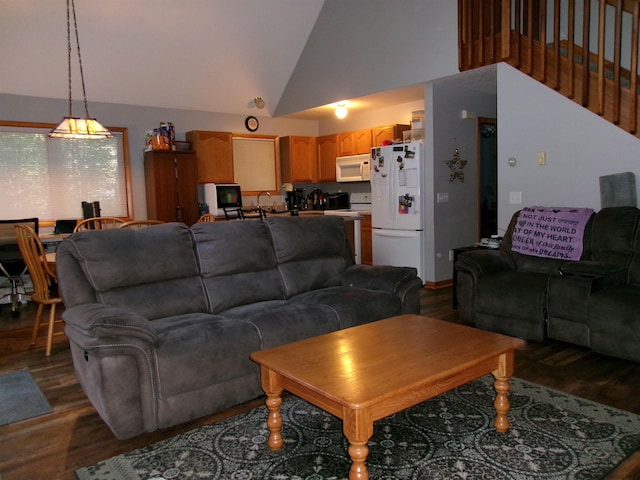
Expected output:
(49, 178)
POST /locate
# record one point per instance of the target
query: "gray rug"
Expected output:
(553, 436)
(20, 398)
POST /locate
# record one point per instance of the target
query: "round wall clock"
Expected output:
(251, 123)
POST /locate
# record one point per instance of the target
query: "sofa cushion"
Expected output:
(353, 306)
(123, 267)
(195, 351)
(312, 252)
(238, 264)
(513, 294)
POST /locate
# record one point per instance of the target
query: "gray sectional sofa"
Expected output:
(162, 320)
(593, 302)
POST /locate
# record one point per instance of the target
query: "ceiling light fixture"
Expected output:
(341, 111)
(75, 127)
(259, 102)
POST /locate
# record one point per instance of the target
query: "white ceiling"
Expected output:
(210, 55)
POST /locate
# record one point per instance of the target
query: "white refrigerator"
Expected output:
(397, 206)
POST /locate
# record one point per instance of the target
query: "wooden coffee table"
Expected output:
(368, 372)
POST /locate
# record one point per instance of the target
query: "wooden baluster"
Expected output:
(570, 47)
(585, 53)
(529, 13)
(543, 40)
(556, 42)
(617, 31)
(481, 33)
(506, 30)
(633, 86)
(602, 31)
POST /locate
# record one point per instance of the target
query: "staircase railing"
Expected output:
(585, 49)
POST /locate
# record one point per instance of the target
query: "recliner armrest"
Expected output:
(479, 263)
(609, 274)
(93, 322)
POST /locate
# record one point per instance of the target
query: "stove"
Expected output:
(360, 204)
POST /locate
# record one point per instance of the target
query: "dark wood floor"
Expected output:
(55, 445)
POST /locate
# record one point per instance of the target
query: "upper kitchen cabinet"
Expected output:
(215, 155)
(354, 143)
(299, 159)
(389, 133)
(327, 153)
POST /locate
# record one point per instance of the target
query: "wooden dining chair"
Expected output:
(206, 218)
(98, 223)
(139, 223)
(43, 278)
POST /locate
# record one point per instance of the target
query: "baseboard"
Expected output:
(440, 284)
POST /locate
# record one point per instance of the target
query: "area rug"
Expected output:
(20, 398)
(553, 436)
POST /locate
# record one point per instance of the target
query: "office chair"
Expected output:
(12, 264)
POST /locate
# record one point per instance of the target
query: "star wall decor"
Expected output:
(456, 165)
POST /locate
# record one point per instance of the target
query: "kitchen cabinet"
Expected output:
(389, 133)
(366, 240)
(214, 151)
(354, 143)
(327, 153)
(299, 159)
(171, 179)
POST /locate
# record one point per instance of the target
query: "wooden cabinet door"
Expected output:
(389, 133)
(187, 188)
(215, 155)
(171, 180)
(346, 144)
(298, 158)
(362, 141)
(327, 153)
(366, 240)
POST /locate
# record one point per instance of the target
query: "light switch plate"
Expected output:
(515, 197)
(542, 158)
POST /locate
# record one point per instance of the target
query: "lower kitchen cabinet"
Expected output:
(171, 179)
(366, 249)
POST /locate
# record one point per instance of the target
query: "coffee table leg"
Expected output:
(501, 386)
(501, 404)
(271, 386)
(358, 428)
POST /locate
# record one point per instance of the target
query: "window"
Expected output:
(255, 163)
(50, 178)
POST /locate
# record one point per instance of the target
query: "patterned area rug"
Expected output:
(553, 436)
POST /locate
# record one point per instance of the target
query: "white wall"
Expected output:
(140, 119)
(360, 47)
(580, 147)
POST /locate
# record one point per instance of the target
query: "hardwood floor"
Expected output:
(53, 446)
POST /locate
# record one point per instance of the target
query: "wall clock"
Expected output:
(251, 123)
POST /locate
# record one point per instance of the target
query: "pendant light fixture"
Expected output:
(75, 127)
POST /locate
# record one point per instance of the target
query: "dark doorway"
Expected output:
(487, 177)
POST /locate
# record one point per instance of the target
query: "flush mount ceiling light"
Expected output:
(75, 127)
(341, 111)
(259, 102)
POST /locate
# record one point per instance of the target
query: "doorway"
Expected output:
(487, 177)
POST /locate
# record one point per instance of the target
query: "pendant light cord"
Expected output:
(75, 26)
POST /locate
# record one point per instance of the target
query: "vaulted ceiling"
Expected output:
(210, 55)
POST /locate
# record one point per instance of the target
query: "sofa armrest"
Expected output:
(608, 274)
(479, 263)
(381, 277)
(100, 323)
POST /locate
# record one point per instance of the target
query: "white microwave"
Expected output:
(354, 168)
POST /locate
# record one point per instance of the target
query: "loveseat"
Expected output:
(592, 302)
(162, 320)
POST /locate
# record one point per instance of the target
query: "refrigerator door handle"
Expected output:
(395, 233)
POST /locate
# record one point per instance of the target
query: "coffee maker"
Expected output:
(296, 199)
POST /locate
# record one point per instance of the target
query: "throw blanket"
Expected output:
(550, 232)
